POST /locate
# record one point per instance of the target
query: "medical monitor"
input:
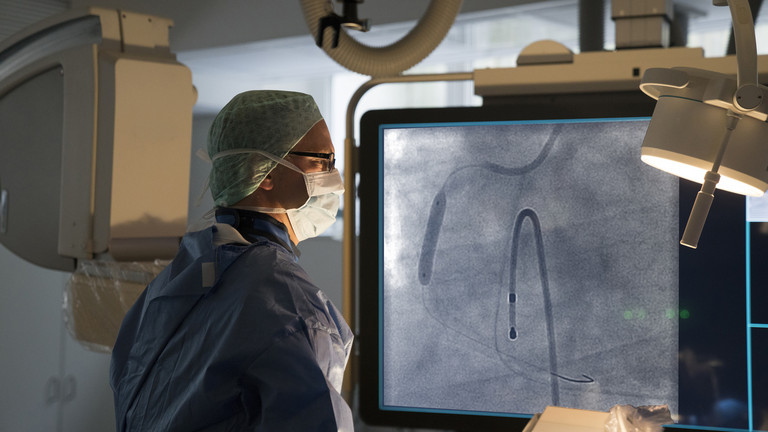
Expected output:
(520, 255)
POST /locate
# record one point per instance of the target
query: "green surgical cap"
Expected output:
(269, 120)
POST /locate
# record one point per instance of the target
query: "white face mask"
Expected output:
(319, 212)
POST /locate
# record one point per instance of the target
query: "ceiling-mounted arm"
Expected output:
(748, 96)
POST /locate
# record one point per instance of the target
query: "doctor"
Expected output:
(232, 335)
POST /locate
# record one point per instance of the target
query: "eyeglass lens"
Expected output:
(328, 158)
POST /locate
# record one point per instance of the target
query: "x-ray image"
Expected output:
(526, 265)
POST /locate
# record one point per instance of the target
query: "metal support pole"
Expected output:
(349, 257)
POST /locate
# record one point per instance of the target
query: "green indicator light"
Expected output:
(684, 314)
(640, 313)
(628, 315)
(670, 313)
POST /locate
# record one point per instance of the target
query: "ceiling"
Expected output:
(250, 41)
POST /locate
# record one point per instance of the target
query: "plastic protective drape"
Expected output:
(626, 418)
(98, 295)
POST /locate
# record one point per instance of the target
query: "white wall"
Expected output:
(48, 381)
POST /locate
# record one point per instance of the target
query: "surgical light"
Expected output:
(708, 127)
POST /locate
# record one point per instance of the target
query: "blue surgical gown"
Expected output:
(231, 336)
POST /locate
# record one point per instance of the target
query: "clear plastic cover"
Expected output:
(99, 294)
(626, 418)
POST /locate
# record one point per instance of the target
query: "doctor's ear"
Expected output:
(267, 183)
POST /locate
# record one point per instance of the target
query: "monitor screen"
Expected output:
(515, 257)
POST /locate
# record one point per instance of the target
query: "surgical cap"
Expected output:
(268, 120)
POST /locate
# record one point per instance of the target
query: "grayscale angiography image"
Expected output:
(528, 265)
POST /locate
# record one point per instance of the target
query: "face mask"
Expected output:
(319, 212)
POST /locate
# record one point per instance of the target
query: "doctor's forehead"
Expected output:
(317, 140)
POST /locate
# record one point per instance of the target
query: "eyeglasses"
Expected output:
(329, 158)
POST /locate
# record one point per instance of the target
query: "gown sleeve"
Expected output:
(286, 389)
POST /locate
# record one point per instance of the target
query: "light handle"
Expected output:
(700, 210)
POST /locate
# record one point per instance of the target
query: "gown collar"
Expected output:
(255, 226)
